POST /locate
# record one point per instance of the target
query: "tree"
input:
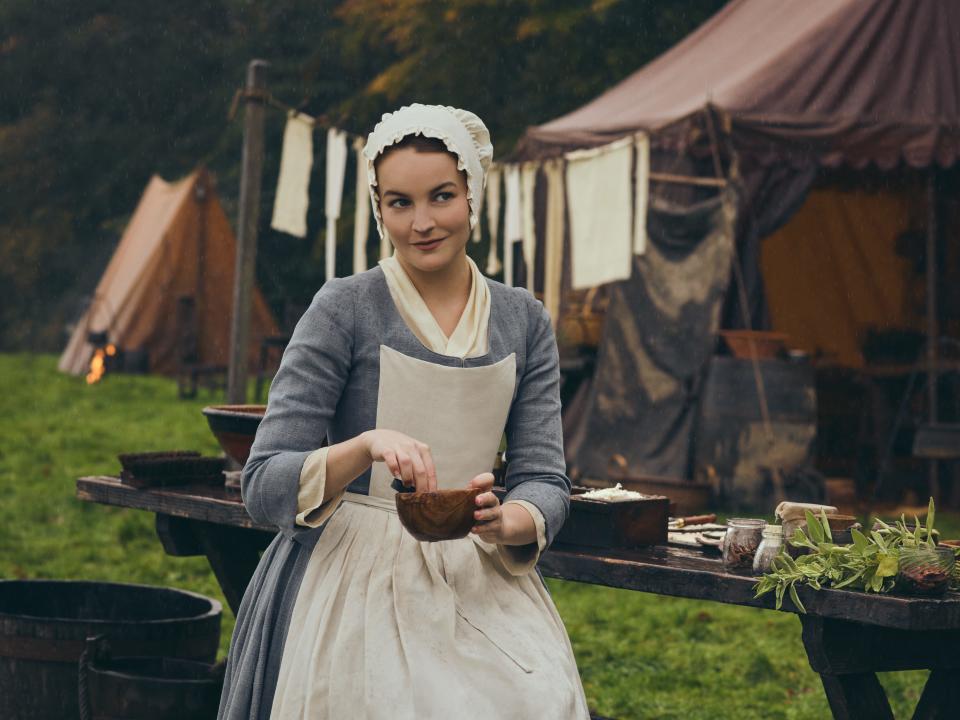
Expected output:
(97, 95)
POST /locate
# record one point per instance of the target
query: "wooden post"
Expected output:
(933, 329)
(248, 216)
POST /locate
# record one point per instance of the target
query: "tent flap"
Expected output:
(642, 402)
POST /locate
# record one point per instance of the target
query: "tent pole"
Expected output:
(932, 324)
(718, 182)
(247, 221)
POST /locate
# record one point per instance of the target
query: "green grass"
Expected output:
(640, 655)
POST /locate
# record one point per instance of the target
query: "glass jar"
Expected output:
(925, 570)
(740, 542)
(770, 546)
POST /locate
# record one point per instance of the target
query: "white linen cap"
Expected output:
(462, 132)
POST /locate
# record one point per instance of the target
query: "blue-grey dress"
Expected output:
(328, 385)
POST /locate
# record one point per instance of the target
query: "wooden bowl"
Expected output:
(743, 343)
(235, 427)
(840, 523)
(440, 515)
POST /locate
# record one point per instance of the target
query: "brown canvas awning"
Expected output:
(848, 81)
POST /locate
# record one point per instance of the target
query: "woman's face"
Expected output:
(423, 202)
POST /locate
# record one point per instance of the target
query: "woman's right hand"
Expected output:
(408, 459)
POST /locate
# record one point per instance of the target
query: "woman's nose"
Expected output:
(423, 221)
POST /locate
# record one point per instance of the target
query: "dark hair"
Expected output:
(420, 143)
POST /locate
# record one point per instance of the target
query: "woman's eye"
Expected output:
(399, 203)
(443, 196)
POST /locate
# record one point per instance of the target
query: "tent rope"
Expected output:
(742, 291)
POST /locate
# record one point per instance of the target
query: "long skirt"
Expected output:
(385, 626)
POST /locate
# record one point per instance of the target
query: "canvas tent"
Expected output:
(837, 123)
(176, 252)
(848, 81)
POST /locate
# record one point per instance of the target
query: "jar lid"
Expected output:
(752, 523)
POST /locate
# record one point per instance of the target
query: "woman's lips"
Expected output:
(428, 245)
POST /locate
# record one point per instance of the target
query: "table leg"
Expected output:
(233, 553)
(857, 696)
(847, 655)
(941, 697)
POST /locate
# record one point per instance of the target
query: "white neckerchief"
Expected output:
(469, 338)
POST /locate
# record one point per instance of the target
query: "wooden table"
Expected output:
(849, 636)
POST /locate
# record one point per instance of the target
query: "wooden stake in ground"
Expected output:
(248, 216)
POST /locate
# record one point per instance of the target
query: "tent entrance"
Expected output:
(846, 278)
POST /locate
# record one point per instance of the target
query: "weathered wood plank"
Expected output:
(685, 573)
(197, 502)
(658, 569)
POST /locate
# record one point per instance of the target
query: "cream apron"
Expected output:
(385, 626)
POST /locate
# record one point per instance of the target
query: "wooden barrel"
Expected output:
(44, 625)
(151, 689)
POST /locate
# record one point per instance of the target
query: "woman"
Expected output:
(412, 370)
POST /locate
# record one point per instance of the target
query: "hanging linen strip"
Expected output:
(553, 251)
(512, 227)
(528, 183)
(336, 169)
(293, 184)
(642, 180)
(493, 218)
(361, 211)
(599, 201)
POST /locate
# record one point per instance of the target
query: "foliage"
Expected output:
(96, 96)
(869, 564)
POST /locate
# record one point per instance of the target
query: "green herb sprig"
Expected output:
(869, 564)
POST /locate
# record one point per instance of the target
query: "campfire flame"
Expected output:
(98, 363)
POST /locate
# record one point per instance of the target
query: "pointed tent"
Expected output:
(178, 245)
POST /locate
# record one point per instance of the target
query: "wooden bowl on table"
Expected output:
(235, 427)
(744, 343)
(440, 515)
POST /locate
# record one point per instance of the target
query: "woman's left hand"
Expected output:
(489, 513)
(498, 524)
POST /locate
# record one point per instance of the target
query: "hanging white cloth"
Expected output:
(336, 169)
(599, 202)
(493, 218)
(512, 227)
(476, 236)
(553, 236)
(293, 185)
(528, 184)
(642, 184)
(361, 213)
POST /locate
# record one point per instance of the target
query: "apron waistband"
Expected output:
(388, 504)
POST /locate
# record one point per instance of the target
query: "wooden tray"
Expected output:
(164, 469)
(626, 524)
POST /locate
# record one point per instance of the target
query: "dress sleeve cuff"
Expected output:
(311, 510)
(521, 559)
